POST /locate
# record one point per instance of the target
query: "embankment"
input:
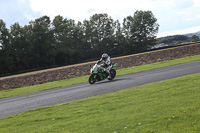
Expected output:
(54, 74)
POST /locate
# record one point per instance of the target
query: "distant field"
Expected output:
(66, 82)
(167, 106)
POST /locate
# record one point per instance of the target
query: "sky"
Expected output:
(174, 16)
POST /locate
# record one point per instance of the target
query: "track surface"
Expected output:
(18, 104)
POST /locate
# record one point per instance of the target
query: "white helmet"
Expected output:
(104, 56)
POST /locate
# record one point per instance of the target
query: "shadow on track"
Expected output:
(110, 81)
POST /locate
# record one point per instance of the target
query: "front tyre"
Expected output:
(92, 80)
(112, 74)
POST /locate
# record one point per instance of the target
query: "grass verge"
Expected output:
(66, 82)
(167, 106)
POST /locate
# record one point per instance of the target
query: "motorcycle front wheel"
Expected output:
(92, 80)
(112, 74)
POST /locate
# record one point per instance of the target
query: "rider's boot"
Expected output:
(108, 72)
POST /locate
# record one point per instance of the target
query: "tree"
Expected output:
(6, 60)
(4, 35)
(42, 42)
(60, 40)
(87, 40)
(20, 48)
(141, 29)
(195, 38)
(119, 45)
(103, 27)
(171, 40)
(128, 35)
(64, 40)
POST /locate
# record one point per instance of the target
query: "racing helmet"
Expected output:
(104, 56)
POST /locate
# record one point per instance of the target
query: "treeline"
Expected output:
(42, 43)
(177, 39)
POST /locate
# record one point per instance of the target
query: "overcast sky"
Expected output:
(174, 16)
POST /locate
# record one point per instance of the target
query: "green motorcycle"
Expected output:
(98, 73)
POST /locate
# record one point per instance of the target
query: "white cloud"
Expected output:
(196, 3)
(29, 16)
(80, 10)
(83, 9)
(172, 15)
(21, 1)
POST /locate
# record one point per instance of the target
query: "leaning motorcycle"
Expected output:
(98, 73)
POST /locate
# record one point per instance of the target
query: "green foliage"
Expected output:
(174, 40)
(195, 38)
(5, 49)
(140, 30)
(103, 28)
(43, 43)
(167, 106)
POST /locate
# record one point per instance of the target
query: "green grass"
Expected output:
(66, 82)
(167, 106)
(40, 87)
(158, 65)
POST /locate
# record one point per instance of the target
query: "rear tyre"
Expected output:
(112, 74)
(92, 80)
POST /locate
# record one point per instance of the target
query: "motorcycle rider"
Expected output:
(107, 63)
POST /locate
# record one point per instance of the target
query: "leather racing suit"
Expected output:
(107, 64)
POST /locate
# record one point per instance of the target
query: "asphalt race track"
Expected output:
(18, 104)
